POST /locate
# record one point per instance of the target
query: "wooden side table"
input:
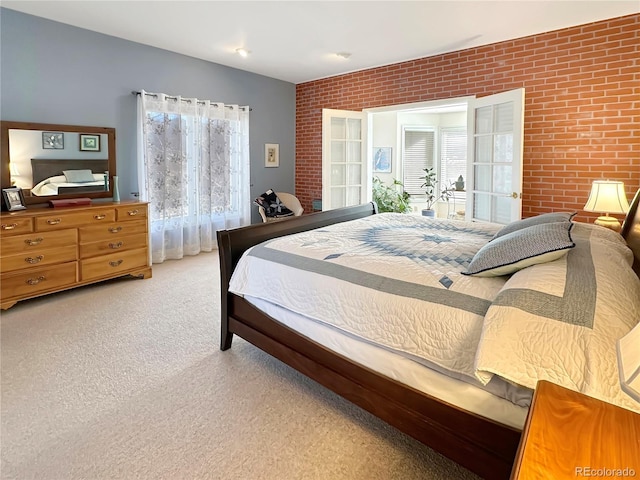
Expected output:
(569, 435)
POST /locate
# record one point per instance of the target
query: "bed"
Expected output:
(49, 177)
(446, 405)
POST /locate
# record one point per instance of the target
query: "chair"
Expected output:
(289, 201)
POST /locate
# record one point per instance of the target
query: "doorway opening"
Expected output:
(424, 135)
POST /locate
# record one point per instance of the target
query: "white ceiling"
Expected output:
(297, 41)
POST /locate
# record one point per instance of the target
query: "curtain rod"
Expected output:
(133, 92)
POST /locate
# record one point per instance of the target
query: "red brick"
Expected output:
(582, 86)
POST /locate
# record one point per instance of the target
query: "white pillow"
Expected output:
(78, 176)
(522, 248)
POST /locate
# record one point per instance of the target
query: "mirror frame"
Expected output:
(5, 171)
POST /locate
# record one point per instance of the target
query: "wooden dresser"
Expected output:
(569, 435)
(45, 250)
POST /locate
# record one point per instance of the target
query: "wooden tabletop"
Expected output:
(569, 435)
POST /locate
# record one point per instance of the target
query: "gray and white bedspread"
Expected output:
(560, 321)
(390, 279)
(395, 281)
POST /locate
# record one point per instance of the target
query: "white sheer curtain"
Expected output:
(193, 169)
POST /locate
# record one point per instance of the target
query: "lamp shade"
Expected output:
(607, 196)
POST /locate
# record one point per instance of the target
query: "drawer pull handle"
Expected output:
(115, 229)
(131, 213)
(116, 245)
(9, 226)
(33, 260)
(116, 263)
(35, 281)
(54, 221)
(35, 241)
(100, 216)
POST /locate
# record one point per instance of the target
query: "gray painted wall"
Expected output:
(55, 73)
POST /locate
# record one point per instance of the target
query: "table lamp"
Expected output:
(607, 196)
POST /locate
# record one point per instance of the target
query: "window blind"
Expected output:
(417, 154)
(453, 156)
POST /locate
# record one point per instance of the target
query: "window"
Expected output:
(418, 153)
(453, 155)
(193, 164)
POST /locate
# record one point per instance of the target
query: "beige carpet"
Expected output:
(124, 380)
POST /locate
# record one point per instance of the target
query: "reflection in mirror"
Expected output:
(53, 163)
(64, 161)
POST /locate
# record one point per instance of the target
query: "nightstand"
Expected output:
(569, 435)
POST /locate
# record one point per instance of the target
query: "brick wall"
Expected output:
(582, 106)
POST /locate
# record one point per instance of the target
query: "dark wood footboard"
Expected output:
(233, 243)
(477, 443)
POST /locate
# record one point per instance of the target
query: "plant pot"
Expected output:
(428, 213)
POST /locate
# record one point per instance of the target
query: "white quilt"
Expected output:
(560, 321)
(394, 280)
(390, 279)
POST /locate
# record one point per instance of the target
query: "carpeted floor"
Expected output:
(124, 380)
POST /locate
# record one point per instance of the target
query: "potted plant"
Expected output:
(390, 198)
(430, 186)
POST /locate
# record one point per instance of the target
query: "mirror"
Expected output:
(35, 157)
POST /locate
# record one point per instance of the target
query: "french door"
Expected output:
(345, 172)
(495, 131)
(495, 135)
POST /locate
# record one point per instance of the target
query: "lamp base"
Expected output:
(609, 222)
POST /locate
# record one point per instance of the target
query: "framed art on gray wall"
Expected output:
(271, 155)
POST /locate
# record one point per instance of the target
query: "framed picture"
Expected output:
(271, 155)
(382, 159)
(89, 143)
(53, 140)
(13, 198)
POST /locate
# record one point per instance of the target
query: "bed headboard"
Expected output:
(43, 168)
(631, 231)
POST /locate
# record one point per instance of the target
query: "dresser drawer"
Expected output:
(75, 219)
(15, 225)
(125, 213)
(116, 244)
(112, 264)
(111, 231)
(37, 241)
(38, 280)
(43, 256)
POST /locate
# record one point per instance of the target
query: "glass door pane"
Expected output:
(343, 167)
(496, 167)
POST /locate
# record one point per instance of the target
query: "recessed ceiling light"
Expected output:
(344, 55)
(243, 52)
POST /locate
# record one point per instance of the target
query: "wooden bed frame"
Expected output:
(484, 446)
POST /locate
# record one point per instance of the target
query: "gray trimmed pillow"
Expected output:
(525, 247)
(537, 220)
(78, 176)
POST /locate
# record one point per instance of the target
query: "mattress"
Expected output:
(450, 390)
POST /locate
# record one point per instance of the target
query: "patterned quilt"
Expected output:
(390, 279)
(560, 321)
(395, 281)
